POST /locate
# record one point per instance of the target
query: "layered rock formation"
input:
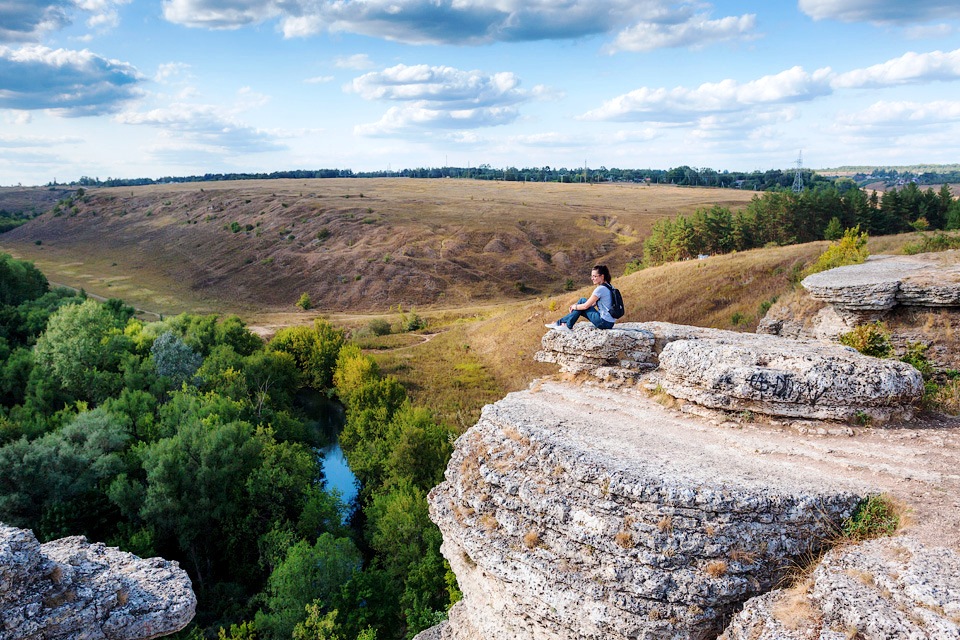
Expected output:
(742, 372)
(581, 509)
(917, 297)
(878, 590)
(570, 513)
(866, 292)
(70, 588)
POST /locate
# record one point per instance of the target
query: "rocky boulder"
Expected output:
(570, 512)
(878, 590)
(735, 371)
(865, 292)
(70, 588)
(781, 377)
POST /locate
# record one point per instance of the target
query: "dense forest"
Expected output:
(787, 217)
(192, 439)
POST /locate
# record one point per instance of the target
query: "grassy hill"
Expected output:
(357, 245)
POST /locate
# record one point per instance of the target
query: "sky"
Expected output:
(154, 88)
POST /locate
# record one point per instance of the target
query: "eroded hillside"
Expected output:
(350, 244)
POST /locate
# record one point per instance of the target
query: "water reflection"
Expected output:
(325, 422)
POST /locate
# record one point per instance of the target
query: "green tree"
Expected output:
(834, 230)
(80, 350)
(310, 574)
(314, 349)
(53, 484)
(174, 359)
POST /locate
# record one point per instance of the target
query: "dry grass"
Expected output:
(665, 525)
(531, 539)
(716, 568)
(624, 539)
(362, 244)
(793, 608)
(445, 239)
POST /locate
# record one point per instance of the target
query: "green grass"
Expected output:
(876, 516)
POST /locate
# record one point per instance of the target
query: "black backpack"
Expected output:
(616, 307)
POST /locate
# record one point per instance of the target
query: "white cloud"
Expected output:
(686, 105)
(470, 22)
(74, 83)
(930, 32)
(881, 11)
(697, 32)
(358, 62)
(882, 117)
(447, 86)
(414, 119)
(910, 68)
(208, 126)
(30, 20)
(104, 12)
(318, 80)
(171, 71)
(27, 21)
(439, 98)
(219, 14)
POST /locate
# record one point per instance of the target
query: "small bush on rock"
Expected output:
(876, 516)
(869, 339)
(850, 249)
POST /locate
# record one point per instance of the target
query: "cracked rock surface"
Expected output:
(73, 589)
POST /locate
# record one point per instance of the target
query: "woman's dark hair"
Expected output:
(602, 270)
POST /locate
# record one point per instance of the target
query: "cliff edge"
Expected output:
(72, 589)
(672, 478)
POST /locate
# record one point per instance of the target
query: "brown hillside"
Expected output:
(351, 244)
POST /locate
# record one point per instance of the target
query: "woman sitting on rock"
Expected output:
(596, 308)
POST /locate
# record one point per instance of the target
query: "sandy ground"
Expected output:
(917, 464)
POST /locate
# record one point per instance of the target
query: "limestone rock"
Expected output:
(70, 588)
(867, 291)
(624, 350)
(569, 512)
(885, 589)
(777, 376)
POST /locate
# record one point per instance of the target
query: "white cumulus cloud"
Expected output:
(75, 83)
(467, 22)
(910, 68)
(684, 105)
(697, 32)
(881, 11)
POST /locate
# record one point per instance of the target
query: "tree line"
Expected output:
(683, 176)
(787, 217)
(192, 439)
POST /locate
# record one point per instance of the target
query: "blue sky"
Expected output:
(150, 88)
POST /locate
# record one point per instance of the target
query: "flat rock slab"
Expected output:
(877, 285)
(70, 588)
(793, 378)
(884, 589)
(570, 512)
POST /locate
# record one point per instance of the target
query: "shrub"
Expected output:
(869, 339)
(633, 267)
(379, 327)
(931, 244)
(876, 516)
(850, 249)
(304, 302)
